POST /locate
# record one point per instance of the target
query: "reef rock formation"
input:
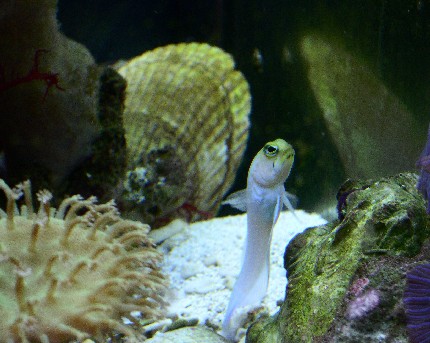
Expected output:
(48, 90)
(186, 124)
(101, 172)
(74, 272)
(346, 279)
(60, 114)
(367, 122)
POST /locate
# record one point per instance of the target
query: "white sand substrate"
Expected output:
(203, 260)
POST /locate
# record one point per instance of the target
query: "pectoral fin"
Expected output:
(286, 200)
(237, 200)
(277, 211)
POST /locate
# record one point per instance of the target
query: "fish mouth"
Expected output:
(279, 165)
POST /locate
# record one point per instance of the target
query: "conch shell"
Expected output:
(186, 125)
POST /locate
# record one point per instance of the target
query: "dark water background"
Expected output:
(392, 37)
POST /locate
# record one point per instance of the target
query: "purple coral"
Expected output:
(363, 305)
(424, 163)
(417, 304)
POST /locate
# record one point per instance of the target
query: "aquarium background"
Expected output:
(380, 52)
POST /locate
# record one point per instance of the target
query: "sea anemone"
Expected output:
(74, 272)
(417, 304)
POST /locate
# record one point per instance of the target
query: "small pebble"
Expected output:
(156, 326)
(191, 269)
(210, 261)
(202, 286)
(182, 322)
(173, 228)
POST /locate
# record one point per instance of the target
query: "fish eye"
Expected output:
(270, 150)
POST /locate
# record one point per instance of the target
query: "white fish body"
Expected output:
(263, 199)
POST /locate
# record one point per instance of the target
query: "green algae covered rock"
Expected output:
(351, 272)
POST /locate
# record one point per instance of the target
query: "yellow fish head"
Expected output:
(272, 165)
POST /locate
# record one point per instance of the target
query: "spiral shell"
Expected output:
(186, 122)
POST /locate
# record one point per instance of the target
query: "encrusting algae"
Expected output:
(74, 272)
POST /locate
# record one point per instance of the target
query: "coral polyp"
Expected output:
(74, 272)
